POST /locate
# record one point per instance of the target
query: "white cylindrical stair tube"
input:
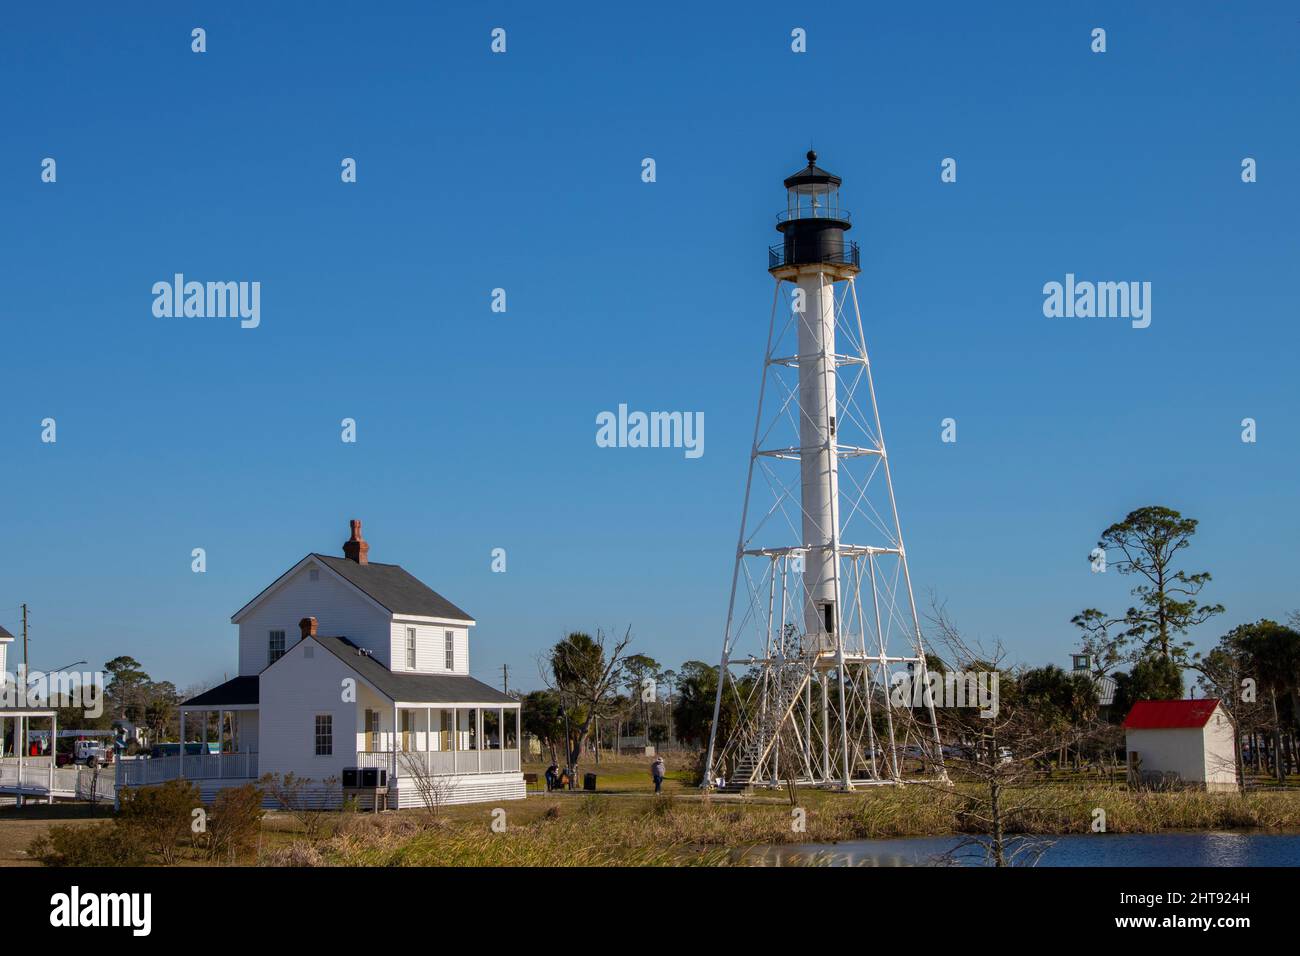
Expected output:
(818, 461)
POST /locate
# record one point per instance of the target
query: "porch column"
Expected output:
(54, 743)
(428, 739)
(478, 735)
(180, 766)
(20, 745)
(501, 739)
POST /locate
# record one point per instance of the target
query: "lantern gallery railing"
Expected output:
(778, 256)
(814, 212)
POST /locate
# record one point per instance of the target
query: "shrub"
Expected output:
(98, 845)
(158, 818)
(234, 823)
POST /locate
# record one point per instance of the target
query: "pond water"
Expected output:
(1215, 848)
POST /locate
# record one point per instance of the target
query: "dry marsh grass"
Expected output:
(600, 830)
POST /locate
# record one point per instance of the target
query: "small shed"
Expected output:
(1186, 743)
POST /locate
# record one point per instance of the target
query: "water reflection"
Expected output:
(1134, 849)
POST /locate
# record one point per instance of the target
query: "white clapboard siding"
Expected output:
(472, 789)
(293, 692)
(340, 611)
(430, 647)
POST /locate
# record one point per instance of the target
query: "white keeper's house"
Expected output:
(346, 663)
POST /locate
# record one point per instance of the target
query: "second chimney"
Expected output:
(308, 627)
(355, 548)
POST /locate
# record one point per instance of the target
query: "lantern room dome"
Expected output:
(812, 178)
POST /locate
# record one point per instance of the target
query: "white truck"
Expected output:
(91, 753)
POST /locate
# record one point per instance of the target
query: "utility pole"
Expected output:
(505, 678)
(24, 638)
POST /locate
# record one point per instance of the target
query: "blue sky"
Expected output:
(522, 171)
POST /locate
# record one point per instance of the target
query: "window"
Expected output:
(324, 735)
(275, 647)
(449, 642)
(410, 648)
(313, 574)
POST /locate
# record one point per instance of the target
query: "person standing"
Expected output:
(657, 773)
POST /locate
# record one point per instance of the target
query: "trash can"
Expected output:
(589, 782)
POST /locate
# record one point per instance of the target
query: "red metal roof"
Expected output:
(1168, 714)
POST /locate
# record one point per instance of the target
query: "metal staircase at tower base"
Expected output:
(756, 752)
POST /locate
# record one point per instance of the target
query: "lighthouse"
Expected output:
(821, 620)
(814, 255)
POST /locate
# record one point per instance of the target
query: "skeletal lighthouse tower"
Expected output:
(822, 615)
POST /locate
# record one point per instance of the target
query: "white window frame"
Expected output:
(325, 736)
(271, 655)
(410, 648)
(449, 649)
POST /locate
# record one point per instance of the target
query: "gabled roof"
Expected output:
(1106, 688)
(433, 688)
(5, 635)
(393, 587)
(1170, 714)
(389, 586)
(234, 692)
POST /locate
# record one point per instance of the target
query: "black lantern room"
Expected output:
(814, 222)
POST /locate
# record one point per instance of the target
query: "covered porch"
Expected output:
(217, 739)
(25, 775)
(413, 739)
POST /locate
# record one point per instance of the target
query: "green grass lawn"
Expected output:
(625, 774)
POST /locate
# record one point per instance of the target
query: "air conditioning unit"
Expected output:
(374, 777)
(351, 777)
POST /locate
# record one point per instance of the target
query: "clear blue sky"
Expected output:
(522, 171)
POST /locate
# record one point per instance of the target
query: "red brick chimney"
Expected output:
(355, 548)
(308, 627)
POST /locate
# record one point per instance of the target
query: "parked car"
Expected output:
(192, 749)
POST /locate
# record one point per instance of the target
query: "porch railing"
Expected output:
(441, 762)
(141, 773)
(29, 776)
